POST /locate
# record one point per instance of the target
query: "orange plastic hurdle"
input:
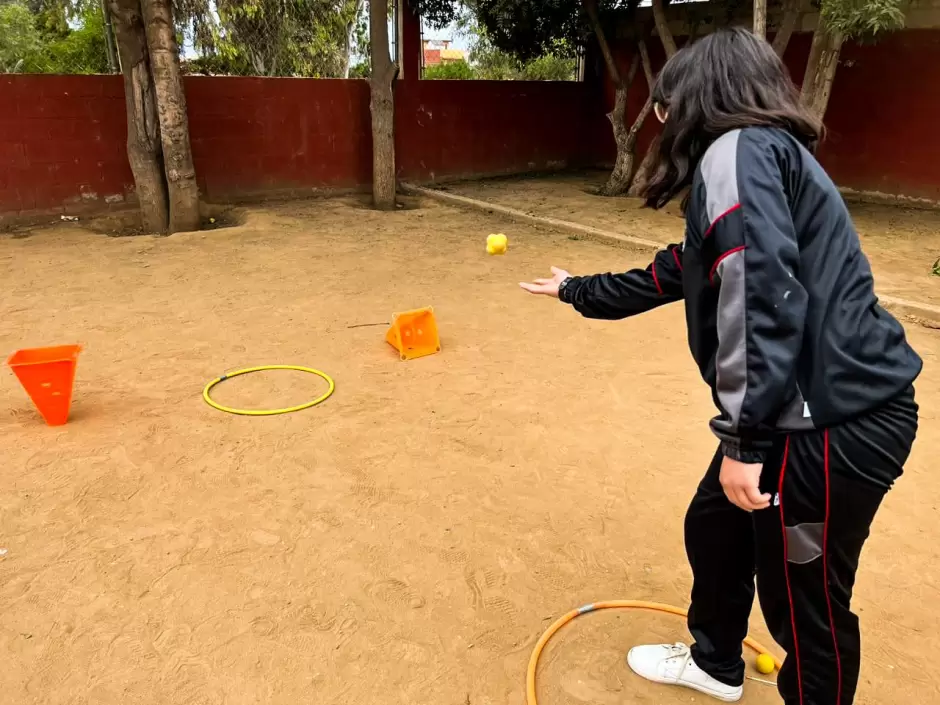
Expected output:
(414, 333)
(47, 375)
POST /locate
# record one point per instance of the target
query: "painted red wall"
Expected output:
(881, 117)
(447, 129)
(883, 112)
(259, 135)
(62, 138)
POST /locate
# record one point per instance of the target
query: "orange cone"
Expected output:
(414, 333)
(47, 375)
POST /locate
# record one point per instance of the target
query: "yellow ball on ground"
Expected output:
(765, 664)
(496, 244)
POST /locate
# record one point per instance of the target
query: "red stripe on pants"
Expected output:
(786, 571)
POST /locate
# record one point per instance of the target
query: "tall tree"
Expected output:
(382, 105)
(840, 20)
(619, 180)
(171, 109)
(531, 28)
(638, 180)
(144, 150)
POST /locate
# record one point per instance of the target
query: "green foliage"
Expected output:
(361, 70)
(438, 14)
(20, 41)
(491, 63)
(525, 29)
(936, 268)
(269, 37)
(43, 40)
(863, 19)
(449, 71)
(82, 50)
(550, 67)
(528, 29)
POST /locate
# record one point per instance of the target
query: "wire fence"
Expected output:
(304, 38)
(40, 36)
(299, 38)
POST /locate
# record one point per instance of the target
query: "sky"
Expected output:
(458, 40)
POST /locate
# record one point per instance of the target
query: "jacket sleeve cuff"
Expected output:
(742, 455)
(566, 293)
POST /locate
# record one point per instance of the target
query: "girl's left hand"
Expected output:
(547, 287)
(741, 483)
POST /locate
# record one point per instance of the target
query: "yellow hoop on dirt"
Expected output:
(268, 412)
(530, 697)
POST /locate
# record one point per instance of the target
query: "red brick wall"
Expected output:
(883, 113)
(256, 135)
(62, 138)
(881, 117)
(450, 129)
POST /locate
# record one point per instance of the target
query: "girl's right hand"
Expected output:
(547, 287)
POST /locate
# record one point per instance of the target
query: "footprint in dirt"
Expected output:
(396, 593)
(484, 585)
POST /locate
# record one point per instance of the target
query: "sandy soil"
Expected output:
(408, 540)
(902, 244)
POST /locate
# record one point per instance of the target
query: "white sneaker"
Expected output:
(673, 665)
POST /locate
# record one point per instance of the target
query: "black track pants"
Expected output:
(826, 487)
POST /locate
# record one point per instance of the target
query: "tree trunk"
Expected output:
(760, 18)
(619, 179)
(639, 178)
(171, 109)
(791, 17)
(642, 172)
(662, 28)
(381, 83)
(143, 127)
(821, 70)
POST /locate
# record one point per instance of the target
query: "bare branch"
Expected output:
(662, 28)
(647, 66)
(791, 17)
(590, 7)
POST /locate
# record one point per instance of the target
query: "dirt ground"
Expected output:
(408, 540)
(903, 243)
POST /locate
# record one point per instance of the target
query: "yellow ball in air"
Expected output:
(765, 664)
(496, 244)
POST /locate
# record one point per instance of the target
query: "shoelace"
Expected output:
(680, 651)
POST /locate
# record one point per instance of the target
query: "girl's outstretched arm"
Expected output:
(616, 296)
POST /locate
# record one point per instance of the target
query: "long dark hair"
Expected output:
(726, 81)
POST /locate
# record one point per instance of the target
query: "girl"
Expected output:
(811, 377)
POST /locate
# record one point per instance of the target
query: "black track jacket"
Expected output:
(782, 315)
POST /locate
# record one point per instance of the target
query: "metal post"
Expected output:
(113, 66)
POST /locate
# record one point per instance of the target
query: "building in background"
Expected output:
(438, 51)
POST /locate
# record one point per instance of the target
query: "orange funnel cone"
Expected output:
(47, 375)
(414, 333)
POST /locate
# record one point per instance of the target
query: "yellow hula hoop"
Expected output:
(531, 698)
(268, 412)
